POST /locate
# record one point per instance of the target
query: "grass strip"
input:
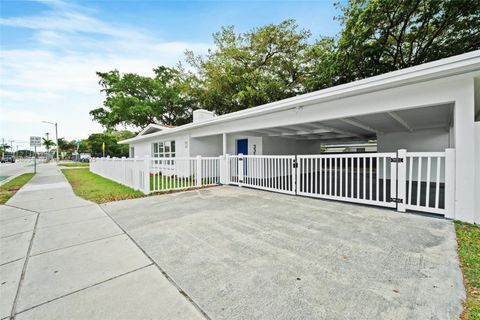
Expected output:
(468, 238)
(8, 189)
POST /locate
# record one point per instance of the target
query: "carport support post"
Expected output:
(449, 183)
(146, 174)
(199, 171)
(401, 179)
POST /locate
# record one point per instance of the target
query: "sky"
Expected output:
(52, 49)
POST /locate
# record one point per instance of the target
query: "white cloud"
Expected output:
(57, 80)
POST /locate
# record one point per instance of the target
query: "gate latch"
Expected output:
(396, 200)
(295, 164)
(396, 160)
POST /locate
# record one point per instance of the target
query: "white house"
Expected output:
(428, 108)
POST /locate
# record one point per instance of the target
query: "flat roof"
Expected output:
(464, 63)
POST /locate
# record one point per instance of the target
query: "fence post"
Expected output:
(401, 180)
(240, 168)
(295, 175)
(199, 171)
(450, 183)
(227, 169)
(221, 163)
(146, 174)
(124, 174)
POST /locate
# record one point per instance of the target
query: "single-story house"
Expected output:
(431, 107)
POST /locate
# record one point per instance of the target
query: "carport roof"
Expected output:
(459, 64)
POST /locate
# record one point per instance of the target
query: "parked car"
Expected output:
(8, 158)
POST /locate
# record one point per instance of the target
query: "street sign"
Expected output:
(35, 141)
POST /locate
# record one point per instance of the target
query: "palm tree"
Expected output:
(48, 143)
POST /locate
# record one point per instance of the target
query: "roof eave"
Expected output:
(464, 63)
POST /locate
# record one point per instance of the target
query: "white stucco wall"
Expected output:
(206, 146)
(420, 141)
(477, 173)
(145, 147)
(285, 146)
(255, 144)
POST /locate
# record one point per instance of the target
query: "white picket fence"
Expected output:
(420, 181)
(159, 174)
(272, 173)
(368, 178)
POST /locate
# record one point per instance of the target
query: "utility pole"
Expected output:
(56, 137)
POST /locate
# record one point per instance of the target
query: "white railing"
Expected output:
(183, 173)
(420, 181)
(429, 181)
(368, 178)
(127, 171)
(159, 174)
(273, 173)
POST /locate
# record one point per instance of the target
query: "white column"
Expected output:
(465, 153)
(224, 139)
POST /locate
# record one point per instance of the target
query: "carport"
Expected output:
(422, 118)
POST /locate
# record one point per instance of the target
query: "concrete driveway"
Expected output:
(248, 254)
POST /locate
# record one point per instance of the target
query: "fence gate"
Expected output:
(420, 181)
(361, 178)
(273, 173)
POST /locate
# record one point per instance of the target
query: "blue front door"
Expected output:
(242, 146)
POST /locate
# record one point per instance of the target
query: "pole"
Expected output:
(56, 138)
(35, 161)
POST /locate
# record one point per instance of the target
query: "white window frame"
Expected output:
(164, 149)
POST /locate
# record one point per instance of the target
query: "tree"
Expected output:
(278, 61)
(248, 69)
(383, 36)
(138, 101)
(67, 146)
(48, 143)
(94, 143)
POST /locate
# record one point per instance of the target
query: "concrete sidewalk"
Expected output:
(62, 257)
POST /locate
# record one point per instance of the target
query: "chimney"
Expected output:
(200, 115)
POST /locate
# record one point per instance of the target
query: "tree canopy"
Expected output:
(137, 100)
(277, 61)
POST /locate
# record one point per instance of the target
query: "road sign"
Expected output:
(35, 141)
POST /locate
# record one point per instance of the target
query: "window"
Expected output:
(132, 152)
(164, 149)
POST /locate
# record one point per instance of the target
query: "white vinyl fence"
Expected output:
(420, 181)
(273, 173)
(159, 174)
(368, 178)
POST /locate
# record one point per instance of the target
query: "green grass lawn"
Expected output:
(8, 189)
(98, 189)
(165, 183)
(74, 164)
(468, 237)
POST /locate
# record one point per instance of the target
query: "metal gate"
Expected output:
(420, 181)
